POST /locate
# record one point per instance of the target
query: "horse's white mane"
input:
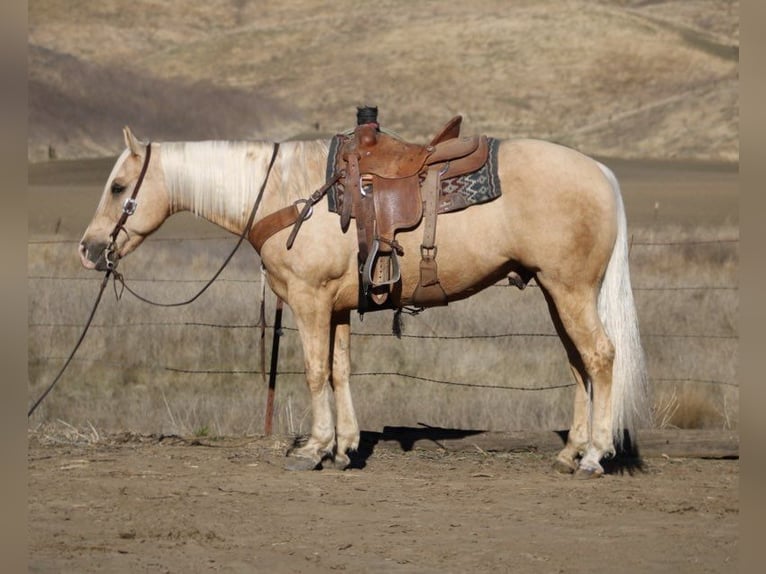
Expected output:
(220, 180)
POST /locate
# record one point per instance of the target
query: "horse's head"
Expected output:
(121, 224)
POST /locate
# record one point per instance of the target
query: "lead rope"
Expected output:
(104, 282)
(128, 210)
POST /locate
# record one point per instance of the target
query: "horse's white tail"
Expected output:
(617, 311)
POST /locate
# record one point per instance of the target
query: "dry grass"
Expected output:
(61, 432)
(173, 371)
(636, 79)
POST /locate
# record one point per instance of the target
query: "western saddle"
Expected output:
(388, 185)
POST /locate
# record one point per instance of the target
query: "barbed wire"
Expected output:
(502, 284)
(225, 237)
(732, 337)
(229, 237)
(686, 242)
(361, 375)
(506, 285)
(698, 381)
(140, 280)
(399, 374)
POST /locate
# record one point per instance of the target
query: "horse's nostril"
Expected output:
(82, 250)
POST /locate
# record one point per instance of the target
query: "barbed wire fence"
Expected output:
(58, 327)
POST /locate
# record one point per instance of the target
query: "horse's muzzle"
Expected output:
(93, 255)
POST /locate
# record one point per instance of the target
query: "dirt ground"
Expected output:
(164, 504)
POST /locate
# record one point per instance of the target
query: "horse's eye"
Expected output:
(117, 188)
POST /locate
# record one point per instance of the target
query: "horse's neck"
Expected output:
(220, 181)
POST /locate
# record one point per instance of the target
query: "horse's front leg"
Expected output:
(347, 427)
(312, 314)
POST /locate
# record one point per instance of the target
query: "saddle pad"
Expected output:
(456, 193)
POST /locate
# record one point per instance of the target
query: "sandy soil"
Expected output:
(154, 504)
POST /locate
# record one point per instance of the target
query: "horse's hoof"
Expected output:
(562, 467)
(340, 461)
(586, 473)
(300, 463)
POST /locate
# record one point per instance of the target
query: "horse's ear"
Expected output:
(131, 141)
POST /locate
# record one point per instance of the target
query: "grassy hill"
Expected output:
(620, 78)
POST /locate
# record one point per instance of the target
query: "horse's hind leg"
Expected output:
(347, 428)
(591, 355)
(313, 319)
(577, 438)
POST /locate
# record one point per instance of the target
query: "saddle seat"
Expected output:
(384, 155)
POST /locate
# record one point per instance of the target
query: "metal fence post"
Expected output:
(273, 369)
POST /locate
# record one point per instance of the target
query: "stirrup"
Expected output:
(395, 272)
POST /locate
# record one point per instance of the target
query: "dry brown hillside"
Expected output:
(616, 78)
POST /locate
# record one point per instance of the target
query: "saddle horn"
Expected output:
(366, 115)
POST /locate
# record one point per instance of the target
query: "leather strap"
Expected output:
(128, 209)
(430, 199)
(351, 183)
(287, 216)
(429, 292)
(271, 224)
(129, 206)
(365, 224)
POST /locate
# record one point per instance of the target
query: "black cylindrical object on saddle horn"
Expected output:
(366, 115)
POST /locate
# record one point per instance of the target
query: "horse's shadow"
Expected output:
(406, 437)
(627, 459)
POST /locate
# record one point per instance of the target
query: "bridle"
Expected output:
(128, 209)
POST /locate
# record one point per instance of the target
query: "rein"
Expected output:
(245, 232)
(104, 283)
(129, 207)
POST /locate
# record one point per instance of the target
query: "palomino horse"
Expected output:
(560, 218)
